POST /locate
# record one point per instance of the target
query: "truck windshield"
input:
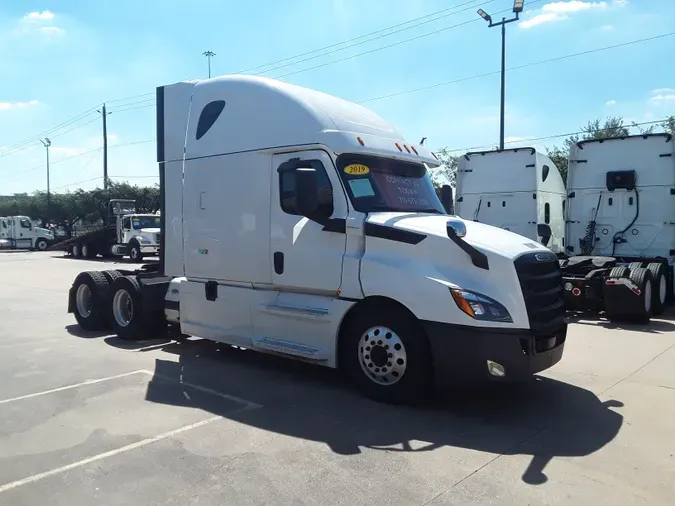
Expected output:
(383, 184)
(139, 222)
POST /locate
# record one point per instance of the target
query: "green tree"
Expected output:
(669, 125)
(446, 173)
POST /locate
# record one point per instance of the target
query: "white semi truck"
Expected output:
(124, 233)
(300, 224)
(18, 232)
(519, 189)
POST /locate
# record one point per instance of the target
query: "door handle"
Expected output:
(278, 262)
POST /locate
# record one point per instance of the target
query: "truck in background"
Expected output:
(519, 189)
(124, 233)
(18, 232)
(620, 225)
(303, 225)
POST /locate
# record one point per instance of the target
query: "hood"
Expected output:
(149, 230)
(485, 238)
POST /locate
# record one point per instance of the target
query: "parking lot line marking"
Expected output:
(239, 400)
(76, 385)
(111, 453)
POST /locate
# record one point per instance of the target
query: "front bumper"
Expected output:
(149, 249)
(461, 354)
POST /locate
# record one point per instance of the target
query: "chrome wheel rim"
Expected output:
(134, 253)
(83, 300)
(123, 308)
(42, 245)
(382, 355)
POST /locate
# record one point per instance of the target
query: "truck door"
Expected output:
(300, 315)
(304, 257)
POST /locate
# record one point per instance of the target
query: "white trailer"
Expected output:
(620, 225)
(300, 224)
(18, 232)
(518, 189)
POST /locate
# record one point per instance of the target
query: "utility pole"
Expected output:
(208, 55)
(104, 114)
(46, 143)
(518, 6)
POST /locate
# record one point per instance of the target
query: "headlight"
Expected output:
(480, 307)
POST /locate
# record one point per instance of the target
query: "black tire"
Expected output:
(635, 265)
(41, 244)
(89, 251)
(619, 272)
(135, 251)
(76, 251)
(91, 294)
(645, 281)
(660, 287)
(415, 384)
(129, 321)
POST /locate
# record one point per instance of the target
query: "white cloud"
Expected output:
(515, 139)
(6, 106)
(37, 17)
(52, 30)
(607, 28)
(661, 95)
(560, 11)
(610, 102)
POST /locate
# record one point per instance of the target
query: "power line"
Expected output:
(475, 3)
(394, 44)
(541, 62)
(355, 38)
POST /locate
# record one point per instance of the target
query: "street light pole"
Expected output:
(518, 6)
(46, 143)
(208, 55)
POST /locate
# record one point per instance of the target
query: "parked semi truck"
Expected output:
(300, 224)
(18, 232)
(519, 189)
(124, 233)
(619, 240)
(620, 226)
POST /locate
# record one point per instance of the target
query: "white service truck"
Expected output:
(300, 224)
(18, 232)
(519, 189)
(621, 226)
(124, 233)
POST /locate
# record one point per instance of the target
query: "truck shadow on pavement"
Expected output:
(657, 325)
(543, 419)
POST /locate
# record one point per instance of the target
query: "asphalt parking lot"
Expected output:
(89, 419)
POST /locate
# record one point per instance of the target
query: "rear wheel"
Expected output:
(644, 280)
(385, 353)
(129, 320)
(76, 251)
(91, 291)
(88, 251)
(660, 287)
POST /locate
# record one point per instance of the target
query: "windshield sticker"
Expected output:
(356, 169)
(404, 193)
(361, 188)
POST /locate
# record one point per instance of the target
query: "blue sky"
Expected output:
(62, 58)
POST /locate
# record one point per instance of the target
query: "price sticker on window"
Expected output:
(356, 169)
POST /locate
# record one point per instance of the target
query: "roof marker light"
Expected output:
(406, 148)
(360, 141)
(434, 155)
(413, 148)
(399, 147)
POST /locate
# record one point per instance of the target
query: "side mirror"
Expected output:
(544, 231)
(306, 191)
(447, 200)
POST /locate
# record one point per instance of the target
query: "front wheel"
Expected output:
(135, 252)
(386, 355)
(41, 244)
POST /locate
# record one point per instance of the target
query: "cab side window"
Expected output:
(287, 190)
(126, 223)
(26, 224)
